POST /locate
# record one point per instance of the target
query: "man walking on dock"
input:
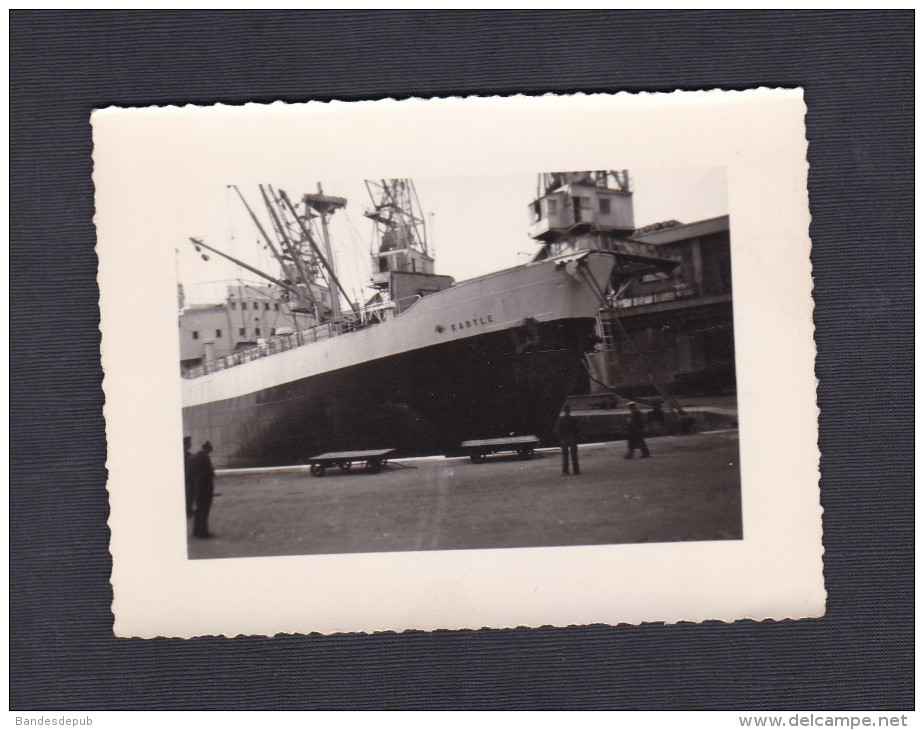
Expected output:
(567, 431)
(636, 432)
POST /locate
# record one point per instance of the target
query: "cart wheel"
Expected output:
(526, 453)
(345, 465)
(477, 457)
(374, 466)
(317, 470)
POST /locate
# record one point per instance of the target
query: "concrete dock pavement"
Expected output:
(688, 490)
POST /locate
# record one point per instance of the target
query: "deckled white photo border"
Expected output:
(144, 158)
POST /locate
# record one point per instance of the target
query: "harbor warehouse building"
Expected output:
(249, 314)
(678, 328)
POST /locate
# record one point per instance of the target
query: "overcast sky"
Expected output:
(479, 224)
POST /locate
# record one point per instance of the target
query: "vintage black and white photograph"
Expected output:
(458, 362)
(532, 363)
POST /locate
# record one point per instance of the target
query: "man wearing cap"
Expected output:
(204, 476)
(636, 432)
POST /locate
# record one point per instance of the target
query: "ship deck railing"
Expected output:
(351, 322)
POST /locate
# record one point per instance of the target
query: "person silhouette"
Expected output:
(636, 433)
(567, 431)
(204, 476)
(189, 482)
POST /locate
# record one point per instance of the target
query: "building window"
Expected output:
(605, 206)
(256, 332)
(243, 305)
(195, 335)
(217, 333)
(276, 306)
(233, 306)
(553, 207)
(242, 332)
(273, 331)
(265, 305)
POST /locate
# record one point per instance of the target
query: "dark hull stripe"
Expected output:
(425, 401)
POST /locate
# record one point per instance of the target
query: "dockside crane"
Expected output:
(592, 209)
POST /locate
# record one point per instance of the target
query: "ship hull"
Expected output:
(504, 371)
(423, 402)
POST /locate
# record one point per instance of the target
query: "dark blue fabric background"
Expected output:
(857, 71)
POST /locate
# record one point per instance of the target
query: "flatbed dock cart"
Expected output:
(525, 446)
(375, 460)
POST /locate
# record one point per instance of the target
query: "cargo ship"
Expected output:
(424, 365)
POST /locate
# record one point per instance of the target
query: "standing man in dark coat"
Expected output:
(567, 431)
(204, 476)
(636, 432)
(190, 483)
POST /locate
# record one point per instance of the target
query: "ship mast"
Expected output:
(325, 206)
(308, 277)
